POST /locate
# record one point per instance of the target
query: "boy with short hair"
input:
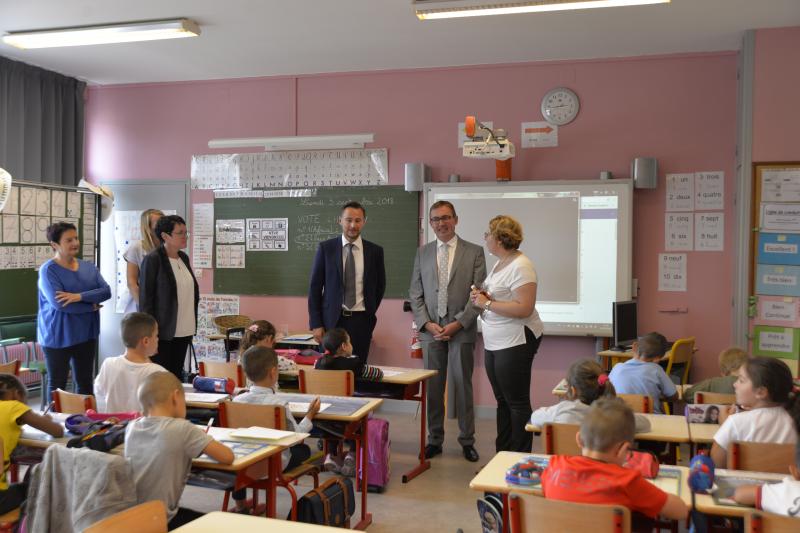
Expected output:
(730, 360)
(261, 368)
(161, 445)
(597, 475)
(642, 374)
(119, 378)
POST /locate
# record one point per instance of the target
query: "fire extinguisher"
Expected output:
(416, 345)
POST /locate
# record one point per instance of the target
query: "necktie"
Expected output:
(444, 277)
(349, 277)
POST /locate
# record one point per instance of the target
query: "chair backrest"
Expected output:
(639, 403)
(761, 456)
(148, 517)
(10, 368)
(221, 369)
(559, 439)
(532, 514)
(714, 397)
(67, 402)
(681, 353)
(244, 415)
(760, 522)
(328, 382)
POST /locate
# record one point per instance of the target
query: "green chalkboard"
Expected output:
(392, 222)
(23, 246)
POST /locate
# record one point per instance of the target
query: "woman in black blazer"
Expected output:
(169, 292)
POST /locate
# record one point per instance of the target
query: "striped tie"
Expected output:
(444, 277)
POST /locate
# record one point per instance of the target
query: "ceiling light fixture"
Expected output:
(125, 32)
(298, 142)
(442, 9)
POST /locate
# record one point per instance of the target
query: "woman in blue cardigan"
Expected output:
(70, 293)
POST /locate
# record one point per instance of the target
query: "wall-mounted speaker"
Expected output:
(644, 171)
(415, 176)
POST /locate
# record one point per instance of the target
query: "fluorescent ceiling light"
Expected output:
(104, 34)
(442, 9)
(301, 142)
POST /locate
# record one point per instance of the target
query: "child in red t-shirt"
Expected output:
(597, 475)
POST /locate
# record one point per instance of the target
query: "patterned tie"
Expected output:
(349, 277)
(444, 277)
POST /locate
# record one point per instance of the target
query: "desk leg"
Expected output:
(275, 467)
(366, 518)
(506, 514)
(424, 464)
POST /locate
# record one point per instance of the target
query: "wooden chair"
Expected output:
(639, 403)
(761, 456)
(242, 415)
(70, 403)
(714, 397)
(148, 517)
(532, 514)
(761, 522)
(327, 382)
(11, 367)
(218, 369)
(559, 439)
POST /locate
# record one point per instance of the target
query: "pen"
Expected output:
(210, 422)
(47, 409)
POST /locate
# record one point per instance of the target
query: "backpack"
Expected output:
(102, 436)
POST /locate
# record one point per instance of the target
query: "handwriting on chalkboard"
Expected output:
(311, 228)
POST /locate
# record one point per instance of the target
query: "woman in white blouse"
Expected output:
(135, 253)
(512, 331)
(169, 292)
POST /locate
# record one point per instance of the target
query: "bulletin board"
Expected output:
(30, 209)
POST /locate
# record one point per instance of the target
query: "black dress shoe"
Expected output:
(432, 450)
(471, 454)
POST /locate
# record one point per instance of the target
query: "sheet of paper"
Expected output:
(43, 202)
(680, 192)
(302, 407)
(58, 204)
(27, 257)
(230, 231)
(27, 229)
(42, 224)
(672, 272)
(780, 185)
(203, 219)
(74, 204)
(205, 397)
(709, 232)
(679, 232)
(389, 373)
(267, 234)
(709, 191)
(202, 251)
(42, 254)
(12, 204)
(780, 217)
(10, 228)
(212, 305)
(230, 256)
(260, 433)
(27, 201)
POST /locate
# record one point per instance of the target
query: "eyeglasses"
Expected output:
(180, 233)
(443, 218)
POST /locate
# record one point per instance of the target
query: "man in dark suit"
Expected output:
(444, 271)
(348, 280)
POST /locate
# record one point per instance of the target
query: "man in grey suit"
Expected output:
(444, 271)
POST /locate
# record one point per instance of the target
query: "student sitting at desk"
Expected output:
(120, 377)
(586, 383)
(643, 375)
(779, 498)
(597, 475)
(261, 367)
(262, 333)
(339, 356)
(764, 391)
(730, 360)
(161, 445)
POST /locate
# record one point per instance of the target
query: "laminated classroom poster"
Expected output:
(778, 280)
(779, 311)
(778, 248)
(210, 306)
(778, 342)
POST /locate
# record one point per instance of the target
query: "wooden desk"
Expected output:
(705, 502)
(491, 478)
(611, 357)
(217, 521)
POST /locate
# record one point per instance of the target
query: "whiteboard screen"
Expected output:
(577, 233)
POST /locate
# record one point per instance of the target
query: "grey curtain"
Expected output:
(41, 124)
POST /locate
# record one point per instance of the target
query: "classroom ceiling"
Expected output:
(245, 38)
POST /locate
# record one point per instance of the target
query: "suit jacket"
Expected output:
(326, 287)
(158, 291)
(469, 268)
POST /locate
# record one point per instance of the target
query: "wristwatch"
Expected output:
(487, 305)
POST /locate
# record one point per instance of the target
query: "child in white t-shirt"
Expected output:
(764, 392)
(120, 377)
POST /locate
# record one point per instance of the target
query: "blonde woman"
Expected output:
(135, 253)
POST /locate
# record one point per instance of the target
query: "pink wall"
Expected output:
(679, 109)
(776, 113)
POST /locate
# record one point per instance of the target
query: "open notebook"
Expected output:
(259, 433)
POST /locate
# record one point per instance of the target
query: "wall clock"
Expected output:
(560, 106)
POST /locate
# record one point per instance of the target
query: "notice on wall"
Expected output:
(777, 310)
(230, 256)
(709, 232)
(539, 135)
(672, 272)
(780, 217)
(709, 191)
(230, 231)
(212, 305)
(202, 250)
(267, 234)
(203, 219)
(680, 192)
(678, 231)
(780, 185)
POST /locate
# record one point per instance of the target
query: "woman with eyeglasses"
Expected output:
(136, 252)
(512, 331)
(169, 292)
